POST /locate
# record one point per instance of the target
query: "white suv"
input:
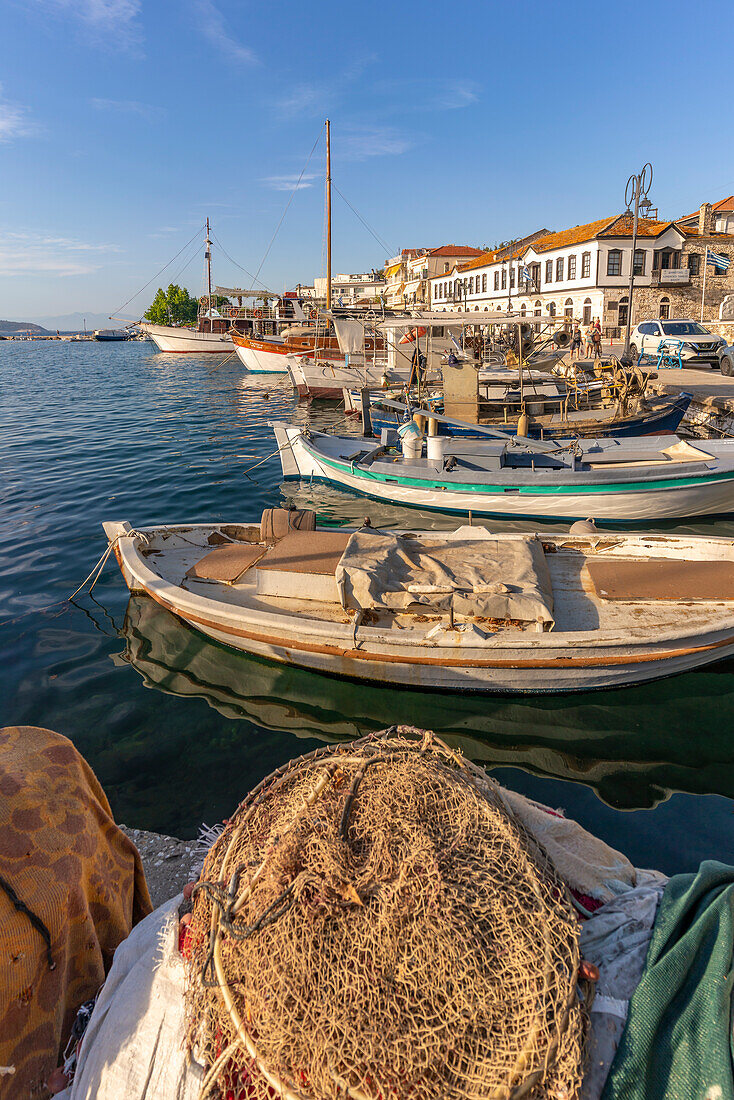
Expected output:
(699, 345)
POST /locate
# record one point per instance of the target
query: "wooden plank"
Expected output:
(662, 579)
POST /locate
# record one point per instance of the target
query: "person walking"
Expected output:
(576, 341)
(588, 341)
(596, 338)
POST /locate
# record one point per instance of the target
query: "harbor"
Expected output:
(366, 557)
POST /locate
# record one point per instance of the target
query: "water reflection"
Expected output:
(633, 747)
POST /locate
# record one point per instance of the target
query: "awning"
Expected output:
(238, 292)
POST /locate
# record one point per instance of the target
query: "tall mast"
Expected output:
(328, 214)
(209, 275)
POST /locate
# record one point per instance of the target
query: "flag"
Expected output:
(720, 262)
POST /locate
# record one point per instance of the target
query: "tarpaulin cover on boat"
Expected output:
(471, 570)
(350, 335)
(678, 1036)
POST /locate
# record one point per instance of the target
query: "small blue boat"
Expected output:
(655, 417)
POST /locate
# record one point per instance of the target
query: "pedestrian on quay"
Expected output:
(596, 338)
(588, 341)
(576, 341)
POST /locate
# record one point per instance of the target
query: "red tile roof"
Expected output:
(455, 250)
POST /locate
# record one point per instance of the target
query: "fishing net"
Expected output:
(374, 923)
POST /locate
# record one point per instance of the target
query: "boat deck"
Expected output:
(577, 607)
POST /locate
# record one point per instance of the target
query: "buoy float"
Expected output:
(523, 423)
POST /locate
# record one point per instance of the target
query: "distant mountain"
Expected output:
(22, 326)
(74, 322)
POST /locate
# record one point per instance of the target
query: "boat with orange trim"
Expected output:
(466, 610)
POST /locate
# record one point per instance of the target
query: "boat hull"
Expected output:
(544, 663)
(327, 379)
(259, 358)
(631, 502)
(664, 421)
(183, 341)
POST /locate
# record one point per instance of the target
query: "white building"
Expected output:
(408, 274)
(580, 273)
(347, 290)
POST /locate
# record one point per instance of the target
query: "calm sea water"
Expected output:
(177, 728)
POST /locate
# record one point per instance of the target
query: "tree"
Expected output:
(174, 306)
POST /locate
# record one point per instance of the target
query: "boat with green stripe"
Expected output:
(620, 480)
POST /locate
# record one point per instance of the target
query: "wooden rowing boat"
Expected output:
(614, 609)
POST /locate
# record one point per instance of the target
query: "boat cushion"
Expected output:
(226, 563)
(471, 570)
(662, 579)
(306, 552)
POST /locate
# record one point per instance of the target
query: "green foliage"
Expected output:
(174, 306)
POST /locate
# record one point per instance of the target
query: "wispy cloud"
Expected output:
(14, 120)
(211, 24)
(36, 253)
(290, 183)
(359, 143)
(108, 22)
(131, 107)
(318, 96)
(455, 94)
(166, 230)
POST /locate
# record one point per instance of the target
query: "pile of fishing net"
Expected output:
(374, 923)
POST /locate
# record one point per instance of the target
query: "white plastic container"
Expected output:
(411, 439)
(435, 448)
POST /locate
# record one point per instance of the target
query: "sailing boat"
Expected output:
(210, 335)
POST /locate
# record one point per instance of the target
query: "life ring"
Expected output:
(313, 313)
(258, 313)
(411, 336)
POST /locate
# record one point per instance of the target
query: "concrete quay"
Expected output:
(711, 412)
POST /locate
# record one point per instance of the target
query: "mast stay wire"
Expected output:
(224, 252)
(364, 222)
(158, 274)
(287, 207)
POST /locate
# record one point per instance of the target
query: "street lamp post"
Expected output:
(637, 188)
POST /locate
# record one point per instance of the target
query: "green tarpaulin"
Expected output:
(677, 1042)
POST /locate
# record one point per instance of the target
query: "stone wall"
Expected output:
(684, 299)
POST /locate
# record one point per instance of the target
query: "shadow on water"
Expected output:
(633, 747)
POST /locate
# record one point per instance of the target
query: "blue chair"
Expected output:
(669, 353)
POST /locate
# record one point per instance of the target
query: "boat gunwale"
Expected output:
(163, 591)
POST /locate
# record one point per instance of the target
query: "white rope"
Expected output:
(103, 560)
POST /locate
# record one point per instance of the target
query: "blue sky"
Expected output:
(124, 122)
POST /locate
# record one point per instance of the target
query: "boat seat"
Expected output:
(662, 579)
(302, 565)
(227, 563)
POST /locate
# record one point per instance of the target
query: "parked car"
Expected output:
(699, 345)
(726, 359)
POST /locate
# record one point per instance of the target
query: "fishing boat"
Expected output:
(211, 335)
(280, 354)
(465, 610)
(621, 480)
(111, 335)
(551, 416)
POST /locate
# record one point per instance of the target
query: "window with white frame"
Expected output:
(568, 308)
(559, 269)
(639, 261)
(571, 267)
(484, 284)
(549, 271)
(496, 280)
(504, 278)
(585, 265)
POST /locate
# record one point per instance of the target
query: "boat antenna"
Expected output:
(328, 214)
(208, 255)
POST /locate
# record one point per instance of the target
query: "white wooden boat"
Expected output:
(180, 340)
(505, 613)
(626, 480)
